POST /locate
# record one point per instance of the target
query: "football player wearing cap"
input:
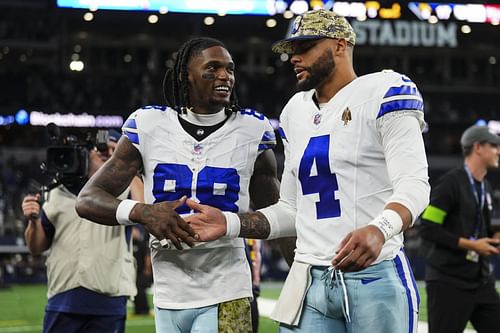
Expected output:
(203, 146)
(459, 279)
(355, 178)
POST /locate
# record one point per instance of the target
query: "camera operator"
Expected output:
(90, 267)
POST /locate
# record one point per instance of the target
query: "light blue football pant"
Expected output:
(198, 320)
(382, 298)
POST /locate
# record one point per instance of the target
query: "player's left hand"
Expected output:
(208, 223)
(359, 249)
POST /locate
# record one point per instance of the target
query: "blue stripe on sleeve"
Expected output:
(406, 78)
(265, 146)
(282, 134)
(403, 90)
(133, 137)
(130, 124)
(268, 137)
(399, 105)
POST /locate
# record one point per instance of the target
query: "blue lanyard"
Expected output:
(480, 199)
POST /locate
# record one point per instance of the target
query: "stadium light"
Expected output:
(76, 65)
(209, 20)
(271, 23)
(88, 17)
(153, 19)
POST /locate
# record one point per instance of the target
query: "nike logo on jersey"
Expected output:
(366, 281)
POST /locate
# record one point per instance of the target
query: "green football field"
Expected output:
(22, 308)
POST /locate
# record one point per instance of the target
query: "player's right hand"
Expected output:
(162, 221)
(31, 207)
(209, 223)
(487, 246)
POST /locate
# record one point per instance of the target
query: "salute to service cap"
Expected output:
(479, 134)
(316, 24)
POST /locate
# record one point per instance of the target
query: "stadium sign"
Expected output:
(37, 118)
(405, 33)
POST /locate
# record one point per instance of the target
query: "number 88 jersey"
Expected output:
(215, 171)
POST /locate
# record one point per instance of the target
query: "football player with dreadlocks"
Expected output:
(201, 145)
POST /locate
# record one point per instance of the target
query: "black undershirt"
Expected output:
(199, 132)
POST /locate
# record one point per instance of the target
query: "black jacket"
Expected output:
(454, 199)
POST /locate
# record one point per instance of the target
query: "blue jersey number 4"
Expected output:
(321, 179)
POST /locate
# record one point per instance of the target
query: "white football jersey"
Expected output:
(336, 172)
(215, 171)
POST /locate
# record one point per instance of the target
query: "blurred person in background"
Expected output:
(90, 268)
(254, 257)
(144, 277)
(460, 281)
(355, 178)
(201, 145)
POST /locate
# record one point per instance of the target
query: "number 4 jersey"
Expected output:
(215, 171)
(347, 159)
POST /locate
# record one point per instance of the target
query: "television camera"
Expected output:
(67, 159)
(67, 156)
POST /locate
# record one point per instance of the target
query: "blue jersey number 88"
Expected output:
(209, 180)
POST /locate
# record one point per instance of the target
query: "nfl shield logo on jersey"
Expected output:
(198, 149)
(317, 119)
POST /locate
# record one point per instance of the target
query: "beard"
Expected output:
(319, 71)
(219, 103)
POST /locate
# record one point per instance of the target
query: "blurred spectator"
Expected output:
(254, 257)
(144, 276)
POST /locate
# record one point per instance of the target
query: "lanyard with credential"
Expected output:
(480, 199)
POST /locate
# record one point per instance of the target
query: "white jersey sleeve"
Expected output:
(281, 216)
(134, 127)
(400, 120)
(268, 140)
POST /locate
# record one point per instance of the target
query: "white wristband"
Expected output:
(123, 212)
(233, 225)
(389, 223)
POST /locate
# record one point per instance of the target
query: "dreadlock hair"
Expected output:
(176, 83)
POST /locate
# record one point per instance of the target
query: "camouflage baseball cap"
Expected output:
(316, 24)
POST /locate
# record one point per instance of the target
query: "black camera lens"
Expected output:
(67, 160)
(63, 160)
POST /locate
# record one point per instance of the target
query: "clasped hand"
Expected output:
(162, 221)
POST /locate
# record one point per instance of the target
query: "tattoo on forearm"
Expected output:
(254, 225)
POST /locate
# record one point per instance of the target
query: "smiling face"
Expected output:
(211, 80)
(490, 154)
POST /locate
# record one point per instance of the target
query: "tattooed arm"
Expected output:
(210, 223)
(98, 201)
